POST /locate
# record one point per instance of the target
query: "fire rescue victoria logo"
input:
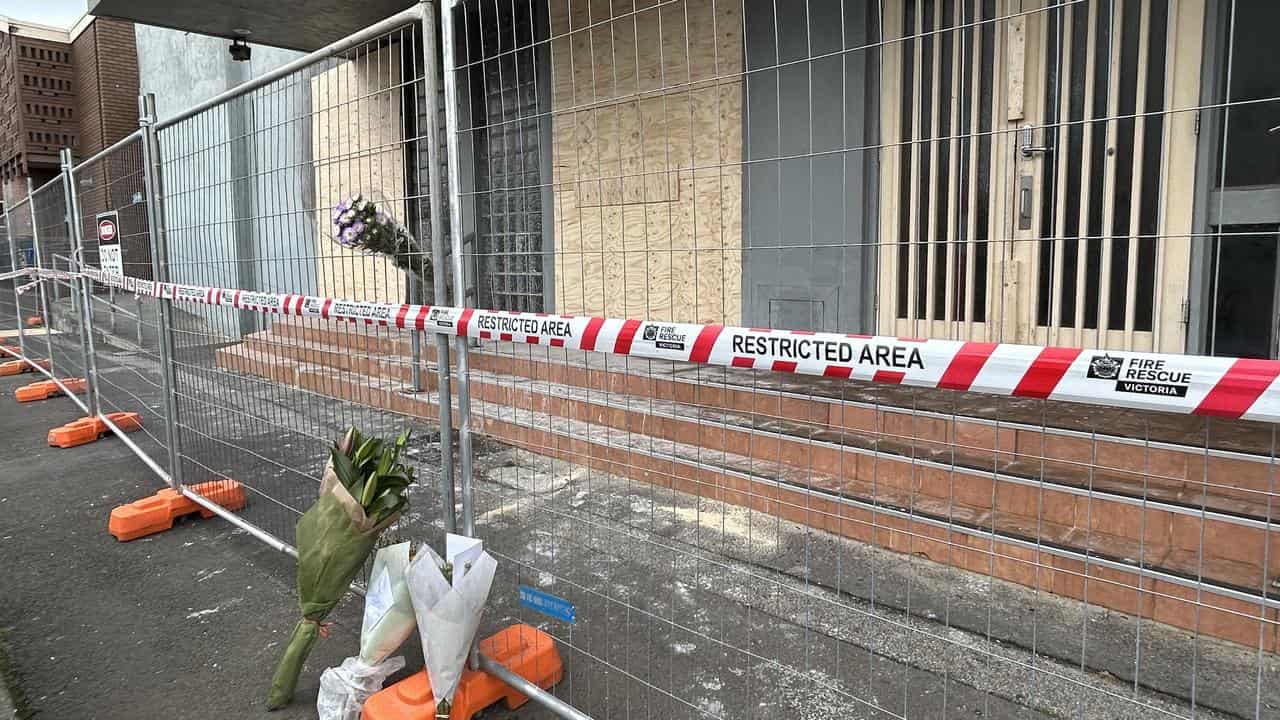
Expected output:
(441, 317)
(1144, 376)
(665, 337)
(1105, 367)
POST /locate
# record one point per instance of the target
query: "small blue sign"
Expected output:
(549, 605)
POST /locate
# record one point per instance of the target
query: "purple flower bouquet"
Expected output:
(359, 225)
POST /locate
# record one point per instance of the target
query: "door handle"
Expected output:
(1027, 142)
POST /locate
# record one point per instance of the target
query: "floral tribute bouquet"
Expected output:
(359, 225)
(362, 492)
(388, 621)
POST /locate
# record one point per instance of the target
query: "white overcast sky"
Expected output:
(59, 13)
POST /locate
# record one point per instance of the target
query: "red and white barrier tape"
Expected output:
(1217, 386)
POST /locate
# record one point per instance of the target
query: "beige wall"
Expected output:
(357, 145)
(647, 123)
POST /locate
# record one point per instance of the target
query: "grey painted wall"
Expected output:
(238, 178)
(809, 261)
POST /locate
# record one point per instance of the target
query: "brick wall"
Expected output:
(38, 104)
(106, 60)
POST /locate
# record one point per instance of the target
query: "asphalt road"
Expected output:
(184, 624)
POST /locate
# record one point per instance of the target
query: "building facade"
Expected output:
(61, 88)
(1099, 173)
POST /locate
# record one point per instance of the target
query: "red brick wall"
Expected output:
(84, 51)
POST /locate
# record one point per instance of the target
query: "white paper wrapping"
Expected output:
(388, 622)
(344, 689)
(388, 609)
(448, 615)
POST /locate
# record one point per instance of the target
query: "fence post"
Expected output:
(459, 278)
(81, 283)
(160, 273)
(435, 191)
(35, 253)
(17, 297)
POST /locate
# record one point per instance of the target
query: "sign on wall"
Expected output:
(109, 256)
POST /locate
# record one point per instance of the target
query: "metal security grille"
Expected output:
(944, 213)
(506, 129)
(1105, 95)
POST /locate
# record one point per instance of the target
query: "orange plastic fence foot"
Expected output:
(46, 389)
(155, 514)
(89, 429)
(527, 651)
(35, 321)
(10, 350)
(17, 367)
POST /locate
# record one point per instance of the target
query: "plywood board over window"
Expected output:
(647, 133)
(356, 137)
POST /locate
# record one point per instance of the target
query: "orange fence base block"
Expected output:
(89, 429)
(35, 321)
(17, 367)
(155, 514)
(10, 350)
(527, 651)
(46, 389)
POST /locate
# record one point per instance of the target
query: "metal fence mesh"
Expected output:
(126, 328)
(249, 188)
(744, 541)
(54, 249)
(18, 224)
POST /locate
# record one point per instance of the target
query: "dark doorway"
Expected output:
(1240, 175)
(1243, 292)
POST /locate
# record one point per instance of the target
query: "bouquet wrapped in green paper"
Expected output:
(361, 493)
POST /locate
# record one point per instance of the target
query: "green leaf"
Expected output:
(384, 506)
(367, 449)
(370, 491)
(342, 466)
(401, 442)
(387, 460)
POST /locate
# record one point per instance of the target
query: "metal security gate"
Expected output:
(1035, 176)
(942, 168)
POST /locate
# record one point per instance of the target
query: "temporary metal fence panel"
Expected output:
(247, 189)
(114, 231)
(53, 249)
(11, 315)
(835, 518)
(745, 542)
(27, 298)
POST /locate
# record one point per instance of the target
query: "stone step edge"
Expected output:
(481, 409)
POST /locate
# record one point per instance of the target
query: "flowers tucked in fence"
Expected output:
(360, 225)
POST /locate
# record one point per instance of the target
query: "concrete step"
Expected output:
(1038, 551)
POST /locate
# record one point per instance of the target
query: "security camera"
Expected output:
(240, 52)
